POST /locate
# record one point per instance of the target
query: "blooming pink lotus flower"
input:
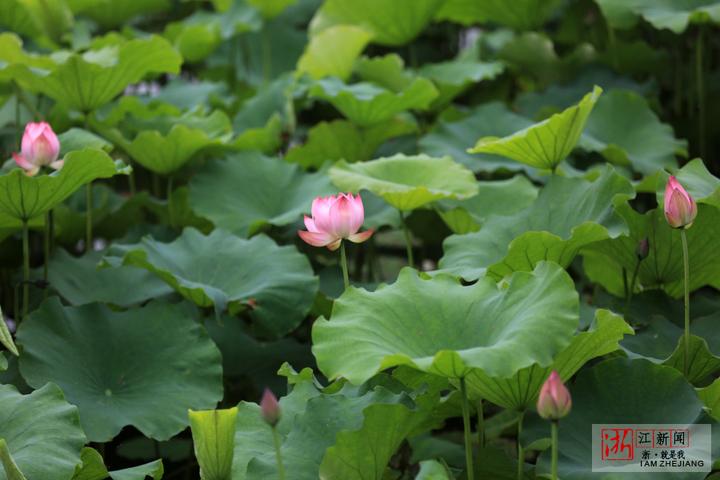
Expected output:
(554, 401)
(269, 408)
(335, 218)
(40, 147)
(680, 208)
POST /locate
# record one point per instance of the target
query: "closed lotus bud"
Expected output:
(269, 408)
(680, 208)
(643, 249)
(40, 148)
(554, 401)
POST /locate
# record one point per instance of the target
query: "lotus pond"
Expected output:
(359, 239)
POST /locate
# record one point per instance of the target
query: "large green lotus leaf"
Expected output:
(517, 14)
(710, 396)
(93, 468)
(520, 391)
(260, 120)
(626, 131)
(391, 23)
(407, 182)
(674, 15)
(143, 367)
(568, 214)
(387, 71)
(114, 13)
(88, 81)
(452, 137)
(432, 470)
(46, 22)
(333, 51)
(12, 53)
(455, 76)
(341, 140)
(275, 284)
(164, 154)
(663, 268)
(620, 391)
(366, 104)
(23, 197)
(79, 139)
(440, 326)
(79, 280)
(500, 197)
(42, 431)
(321, 431)
(545, 144)
(249, 191)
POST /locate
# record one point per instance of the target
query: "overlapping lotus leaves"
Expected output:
(626, 131)
(518, 14)
(710, 396)
(649, 393)
(545, 144)
(568, 214)
(142, 367)
(44, 22)
(520, 391)
(332, 52)
(93, 468)
(604, 261)
(675, 16)
(42, 431)
(455, 76)
(499, 198)
(407, 182)
(79, 139)
(387, 71)
(329, 435)
(23, 197)
(452, 136)
(366, 104)
(391, 23)
(88, 81)
(275, 284)
(439, 326)
(70, 277)
(271, 8)
(248, 191)
(260, 120)
(112, 13)
(341, 140)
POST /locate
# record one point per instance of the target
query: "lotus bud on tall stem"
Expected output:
(270, 412)
(553, 404)
(680, 212)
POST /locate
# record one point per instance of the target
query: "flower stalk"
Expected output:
(408, 239)
(26, 267)
(554, 461)
(686, 283)
(343, 265)
(466, 428)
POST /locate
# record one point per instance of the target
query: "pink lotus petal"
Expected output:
(341, 217)
(361, 236)
(316, 239)
(310, 225)
(335, 245)
(680, 208)
(321, 213)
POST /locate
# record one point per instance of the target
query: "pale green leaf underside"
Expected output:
(333, 51)
(545, 144)
(440, 326)
(407, 182)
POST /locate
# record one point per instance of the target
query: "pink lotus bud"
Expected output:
(269, 408)
(335, 218)
(554, 401)
(40, 147)
(680, 208)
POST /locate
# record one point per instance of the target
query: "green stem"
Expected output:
(686, 278)
(408, 240)
(266, 55)
(520, 449)
(278, 455)
(480, 424)
(18, 127)
(343, 265)
(631, 289)
(466, 429)
(611, 44)
(26, 267)
(554, 464)
(700, 90)
(170, 200)
(46, 250)
(88, 217)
